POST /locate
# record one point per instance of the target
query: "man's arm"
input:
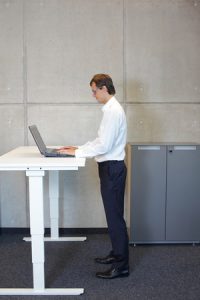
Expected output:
(104, 141)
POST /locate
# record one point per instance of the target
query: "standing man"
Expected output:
(109, 152)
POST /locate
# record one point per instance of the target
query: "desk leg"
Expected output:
(54, 203)
(54, 210)
(37, 226)
(37, 243)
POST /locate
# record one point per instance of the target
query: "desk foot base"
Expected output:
(59, 239)
(67, 291)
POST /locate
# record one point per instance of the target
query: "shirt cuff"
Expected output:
(79, 153)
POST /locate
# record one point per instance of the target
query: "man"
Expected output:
(108, 150)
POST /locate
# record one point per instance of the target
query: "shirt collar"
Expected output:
(108, 104)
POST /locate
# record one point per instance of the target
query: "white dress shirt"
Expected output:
(111, 139)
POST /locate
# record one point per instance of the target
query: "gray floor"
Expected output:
(158, 272)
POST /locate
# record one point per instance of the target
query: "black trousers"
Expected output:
(112, 176)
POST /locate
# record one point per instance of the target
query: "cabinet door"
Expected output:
(183, 194)
(148, 192)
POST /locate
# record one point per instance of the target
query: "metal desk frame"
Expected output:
(28, 159)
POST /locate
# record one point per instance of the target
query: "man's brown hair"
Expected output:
(104, 80)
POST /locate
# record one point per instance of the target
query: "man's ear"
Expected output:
(104, 88)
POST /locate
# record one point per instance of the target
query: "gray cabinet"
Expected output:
(165, 194)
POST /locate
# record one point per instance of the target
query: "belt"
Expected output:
(110, 162)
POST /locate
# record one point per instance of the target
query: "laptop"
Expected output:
(47, 152)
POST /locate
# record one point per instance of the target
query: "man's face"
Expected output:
(98, 93)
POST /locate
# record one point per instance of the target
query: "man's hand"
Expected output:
(70, 150)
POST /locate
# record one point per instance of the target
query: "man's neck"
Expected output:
(107, 98)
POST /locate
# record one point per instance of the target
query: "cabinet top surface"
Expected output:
(163, 143)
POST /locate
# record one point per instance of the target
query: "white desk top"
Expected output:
(29, 158)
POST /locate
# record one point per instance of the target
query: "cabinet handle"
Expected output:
(185, 148)
(148, 147)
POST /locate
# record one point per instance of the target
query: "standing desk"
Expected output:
(29, 159)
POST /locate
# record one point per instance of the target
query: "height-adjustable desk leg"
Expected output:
(37, 226)
(54, 209)
(37, 243)
(54, 212)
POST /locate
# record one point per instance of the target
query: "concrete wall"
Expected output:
(49, 51)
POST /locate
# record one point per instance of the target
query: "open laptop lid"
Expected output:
(38, 139)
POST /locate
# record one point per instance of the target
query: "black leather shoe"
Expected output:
(113, 273)
(105, 260)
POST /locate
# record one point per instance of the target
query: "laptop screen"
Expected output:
(38, 139)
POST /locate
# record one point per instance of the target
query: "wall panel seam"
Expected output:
(25, 97)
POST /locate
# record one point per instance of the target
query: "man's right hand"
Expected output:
(70, 150)
(68, 147)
